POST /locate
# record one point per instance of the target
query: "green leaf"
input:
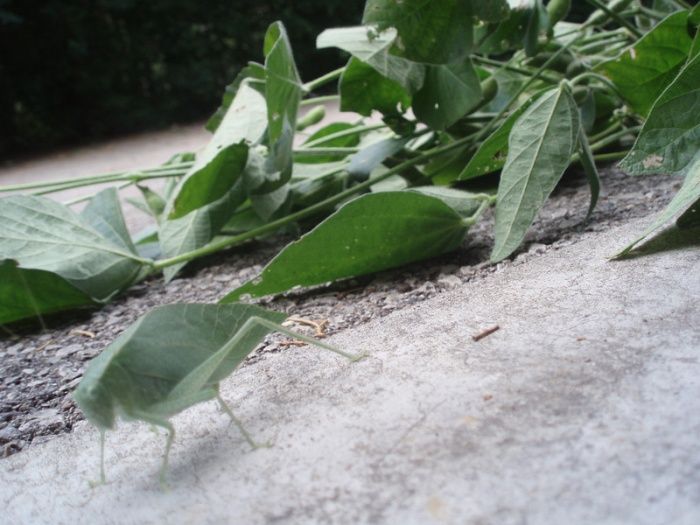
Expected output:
(283, 88)
(256, 74)
(448, 93)
(589, 167)
(444, 169)
(104, 213)
(429, 33)
(153, 203)
(363, 90)
(42, 234)
(369, 234)
(670, 137)
(463, 202)
(644, 70)
(492, 10)
(540, 148)
(492, 153)
(538, 23)
(372, 47)
(29, 293)
(223, 160)
(368, 159)
(198, 228)
(685, 200)
(508, 34)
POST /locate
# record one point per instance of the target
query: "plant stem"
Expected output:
(611, 139)
(342, 134)
(311, 210)
(508, 67)
(323, 80)
(612, 129)
(599, 78)
(319, 100)
(325, 151)
(86, 198)
(615, 16)
(605, 157)
(133, 177)
(98, 179)
(471, 221)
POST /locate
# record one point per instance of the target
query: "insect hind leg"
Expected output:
(241, 428)
(164, 423)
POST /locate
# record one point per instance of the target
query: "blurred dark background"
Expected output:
(74, 71)
(79, 70)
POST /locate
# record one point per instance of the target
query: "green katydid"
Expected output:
(172, 358)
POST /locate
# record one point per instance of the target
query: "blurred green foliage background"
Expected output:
(79, 70)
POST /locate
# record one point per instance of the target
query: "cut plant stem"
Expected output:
(342, 134)
(100, 178)
(132, 177)
(319, 100)
(323, 80)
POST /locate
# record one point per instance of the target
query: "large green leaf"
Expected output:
(28, 293)
(282, 83)
(283, 92)
(371, 233)
(223, 160)
(540, 148)
(197, 228)
(685, 200)
(42, 234)
(104, 213)
(431, 31)
(492, 153)
(670, 137)
(644, 70)
(372, 47)
(253, 71)
(363, 90)
(448, 93)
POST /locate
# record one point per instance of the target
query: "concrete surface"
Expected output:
(584, 408)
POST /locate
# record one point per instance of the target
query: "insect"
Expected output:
(171, 359)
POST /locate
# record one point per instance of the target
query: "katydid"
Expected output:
(172, 358)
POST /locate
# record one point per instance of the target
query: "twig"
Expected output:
(485, 333)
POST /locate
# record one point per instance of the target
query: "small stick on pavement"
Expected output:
(486, 333)
(319, 326)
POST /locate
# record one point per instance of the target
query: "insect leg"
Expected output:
(238, 423)
(310, 340)
(103, 479)
(164, 423)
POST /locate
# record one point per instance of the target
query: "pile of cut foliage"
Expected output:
(482, 104)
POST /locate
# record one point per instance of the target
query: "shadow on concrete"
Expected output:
(670, 239)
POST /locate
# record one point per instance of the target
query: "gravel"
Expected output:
(39, 370)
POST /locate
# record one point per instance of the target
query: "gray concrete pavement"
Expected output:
(584, 408)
